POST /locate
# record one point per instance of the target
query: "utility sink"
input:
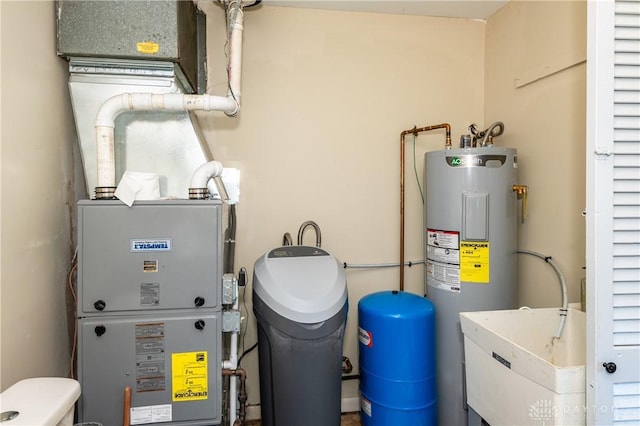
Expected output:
(518, 374)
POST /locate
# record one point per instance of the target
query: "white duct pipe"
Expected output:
(204, 173)
(235, 56)
(105, 119)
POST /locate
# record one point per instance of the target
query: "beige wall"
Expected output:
(325, 98)
(544, 43)
(37, 136)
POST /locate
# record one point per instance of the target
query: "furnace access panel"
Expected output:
(152, 256)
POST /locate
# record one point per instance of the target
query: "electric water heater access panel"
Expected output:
(156, 255)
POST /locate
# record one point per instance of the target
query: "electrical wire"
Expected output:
(246, 323)
(255, 345)
(415, 169)
(72, 291)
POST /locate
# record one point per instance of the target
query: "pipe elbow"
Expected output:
(110, 109)
(236, 108)
(205, 172)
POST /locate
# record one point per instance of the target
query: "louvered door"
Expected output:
(613, 213)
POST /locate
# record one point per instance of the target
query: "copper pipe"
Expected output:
(242, 394)
(413, 132)
(126, 412)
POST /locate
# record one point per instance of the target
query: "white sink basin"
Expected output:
(516, 374)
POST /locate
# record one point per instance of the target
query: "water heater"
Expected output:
(470, 252)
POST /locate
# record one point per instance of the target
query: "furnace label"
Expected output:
(150, 350)
(189, 376)
(151, 414)
(149, 294)
(474, 262)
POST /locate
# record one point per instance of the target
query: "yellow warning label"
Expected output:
(189, 376)
(474, 262)
(147, 47)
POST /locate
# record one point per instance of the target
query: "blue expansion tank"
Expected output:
(397, 360)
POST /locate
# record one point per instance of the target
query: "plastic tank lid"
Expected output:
(301, 283)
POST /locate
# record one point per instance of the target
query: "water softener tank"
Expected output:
(300, 302)
(470, 252)
(397, 360)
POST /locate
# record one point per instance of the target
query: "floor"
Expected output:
(348, 419)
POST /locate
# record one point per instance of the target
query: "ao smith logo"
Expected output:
(158, 244)
(190, 394)
(474, 160)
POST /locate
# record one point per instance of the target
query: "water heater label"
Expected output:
(365, 337)
(189, 376)
(443, 276)
(474, 262)
(443, 259)
(443, 239)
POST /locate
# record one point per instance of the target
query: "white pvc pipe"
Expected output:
(235, 57)
(233, 380)
(232, 364)
(105, 119)
(204, 173)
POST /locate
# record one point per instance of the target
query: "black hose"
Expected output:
(255, 345)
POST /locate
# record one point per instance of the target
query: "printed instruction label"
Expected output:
(189, 376)
(365, 337)
(151, 414)
(443, 276)
(443, 259)
(474, 262)
(150, 350)
(149, 294)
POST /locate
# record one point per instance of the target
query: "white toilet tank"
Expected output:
(43, 401)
